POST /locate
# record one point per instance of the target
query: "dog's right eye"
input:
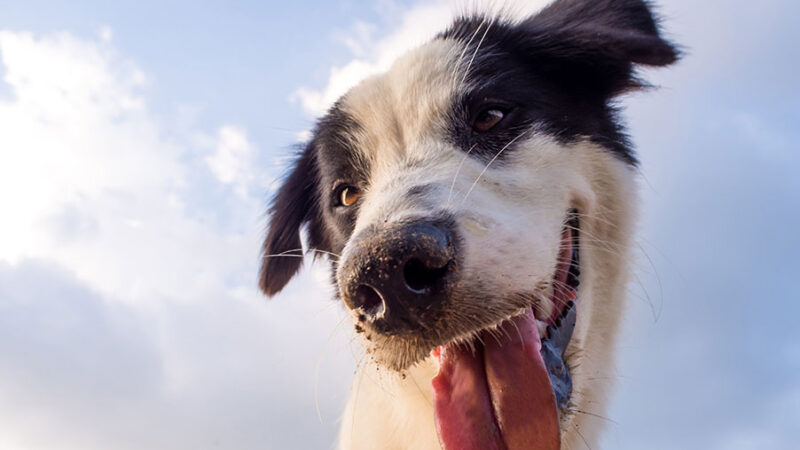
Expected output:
(488, 118)
(347, 195)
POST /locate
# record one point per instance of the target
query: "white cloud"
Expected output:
(85, 371)
(130, 314)
(73, 129)
(81, 152)
(232, 163)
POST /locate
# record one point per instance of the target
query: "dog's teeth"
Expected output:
(573, 280)
(541, 327)
(574, 270)
(568, 307)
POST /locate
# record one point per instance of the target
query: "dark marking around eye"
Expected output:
(564, 82)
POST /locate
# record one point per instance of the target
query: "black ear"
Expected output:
(292, 207)
(602, 39)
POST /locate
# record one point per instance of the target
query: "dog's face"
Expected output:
(457, 190)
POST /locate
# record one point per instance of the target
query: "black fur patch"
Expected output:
(305, 200)
(558, 70)
(294, 205)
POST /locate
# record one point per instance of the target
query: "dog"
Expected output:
(477, 203)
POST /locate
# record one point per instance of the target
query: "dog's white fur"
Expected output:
(511, 216)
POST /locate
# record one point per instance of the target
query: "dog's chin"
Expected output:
(399, 352)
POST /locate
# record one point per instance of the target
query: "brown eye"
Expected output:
(488, 119)
(348, 195)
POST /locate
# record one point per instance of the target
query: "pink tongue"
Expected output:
(500, 396)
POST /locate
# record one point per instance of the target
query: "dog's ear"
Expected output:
(597, 42)
(293, 206)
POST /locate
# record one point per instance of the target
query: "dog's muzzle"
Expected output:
(397, 278)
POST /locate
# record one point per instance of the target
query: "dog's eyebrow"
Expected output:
(336, 138)
(419, 191)
(337, 127)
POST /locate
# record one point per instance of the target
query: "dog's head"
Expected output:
(457, 189)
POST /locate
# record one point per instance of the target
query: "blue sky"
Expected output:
(139, 142)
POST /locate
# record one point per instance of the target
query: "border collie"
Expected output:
(477, 203)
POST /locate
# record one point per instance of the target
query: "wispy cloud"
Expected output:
(232, 163)
(374, 52)
(128, 301)
(81, 150)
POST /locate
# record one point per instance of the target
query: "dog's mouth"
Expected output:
(507, 387)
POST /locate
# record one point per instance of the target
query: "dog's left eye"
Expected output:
(348, 195)
(488, 119)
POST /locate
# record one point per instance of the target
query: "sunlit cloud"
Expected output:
(128, 301)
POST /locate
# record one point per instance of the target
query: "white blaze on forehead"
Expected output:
(408, 105)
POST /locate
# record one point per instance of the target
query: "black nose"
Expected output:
(396, 279)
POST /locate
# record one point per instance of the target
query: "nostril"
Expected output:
(369, 301)
(420, 278)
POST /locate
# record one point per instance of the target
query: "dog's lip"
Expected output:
(565, 283)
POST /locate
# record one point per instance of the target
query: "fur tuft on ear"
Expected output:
(292, 207)
(605, 38)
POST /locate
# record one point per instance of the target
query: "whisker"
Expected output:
(469, 66)
(421, 393)
(325, 252)
(293, 253)
(596, 415)
(464, 51)
(319, 364)
(453, 184)
(357, 390)
(489, 164)
(577, 430)
(283, 256)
